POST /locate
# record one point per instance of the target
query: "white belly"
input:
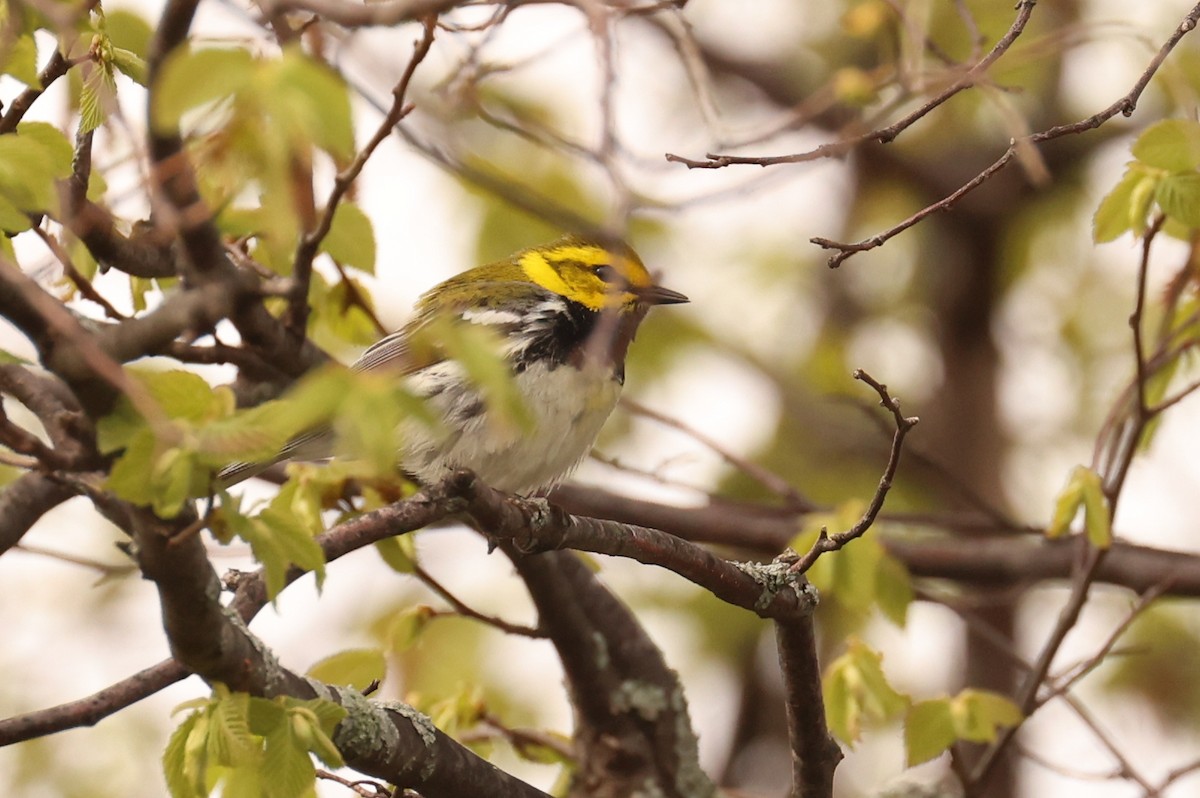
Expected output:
(567, 406)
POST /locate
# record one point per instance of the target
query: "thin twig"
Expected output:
(824, 542)
(463, 609)
(311, 241)
(882, 135)
(1124, 105)
(764, 476)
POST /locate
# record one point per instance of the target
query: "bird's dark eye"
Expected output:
(606, 273)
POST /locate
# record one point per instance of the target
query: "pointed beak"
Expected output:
(657, 295)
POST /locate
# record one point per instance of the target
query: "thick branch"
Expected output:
(23, 501)
(534, 525)
(815, 754)
(632, 726)
(392, 742)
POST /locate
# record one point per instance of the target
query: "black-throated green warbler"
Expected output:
(565, 313)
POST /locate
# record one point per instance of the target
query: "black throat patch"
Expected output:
(566, 333)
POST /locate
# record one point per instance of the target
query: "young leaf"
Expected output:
(928, 730)
(1067, 504)
(351, 239)
(181, 783)
(406, 627)
(399, 552)
(857, 692)
(1179, 198)
(193, 78)
(356, 667)
(1112, 216)
(19, 60)
(1172, 144)
(977, 714)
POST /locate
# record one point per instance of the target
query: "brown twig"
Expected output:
(465, 610)
(1125, 105)
(763, 476)
(824, 543)
(882, 135)
(311, 241)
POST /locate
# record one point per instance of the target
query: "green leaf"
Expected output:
(1067, 504)
(230, 741)
(477, 349)
(928, 730)
(1179, 198)
(1172, 144)
(311, 97)
(28, 171)
(287, 770)
(405, 627)
(12, 218)
(184, 395)
(356, 667)
(893, 589)
(351, 239)
(857, 692)
(20, 61)
(130, 478)
(1140, 200)
(97, 96)
(128, 31)
(131, 65)
(1097, 517)
(1112, 215)
(194, 78)
(399, 552)
(53, 143)
(978, 714)
(181, 783)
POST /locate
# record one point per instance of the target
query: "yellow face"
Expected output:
(595, 276)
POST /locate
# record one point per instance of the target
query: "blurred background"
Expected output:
(999, 323)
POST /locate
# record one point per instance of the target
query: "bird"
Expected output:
(565, 314)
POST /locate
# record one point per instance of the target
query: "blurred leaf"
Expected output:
(1179, 198)
(193, 78)
(12, 218)
(406, 627)
(32, 160)
(1084, 489)
(312, 100)
(351, 239)
(893, 589)
(1115, 214)
(857, 692)
(356, 667)
(131, 65)
(20, 61)
(978, 714)
(928, 730)
(1067, 504)
(1162, 648)
(399, 552)
(461, 710)
(128, 31)
(1172, 144)
(543, 753)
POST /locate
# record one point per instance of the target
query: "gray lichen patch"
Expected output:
(366, 730)
(647, 700)
(775, 577)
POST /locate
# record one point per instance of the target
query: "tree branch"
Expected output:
(815, 754)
